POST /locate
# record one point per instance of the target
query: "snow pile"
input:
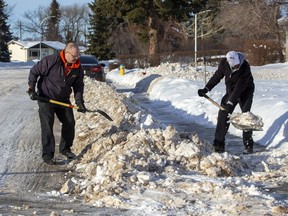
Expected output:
(134, 163)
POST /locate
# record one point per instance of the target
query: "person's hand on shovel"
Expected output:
(202, 92)
(81, 107)
(32, 94)
(229, 107)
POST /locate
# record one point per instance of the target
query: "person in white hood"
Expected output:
(240, 87)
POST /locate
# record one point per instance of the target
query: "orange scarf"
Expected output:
(70, 66)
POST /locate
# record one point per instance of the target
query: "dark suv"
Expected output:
(92, 67)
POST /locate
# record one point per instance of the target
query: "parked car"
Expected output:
(92, 67)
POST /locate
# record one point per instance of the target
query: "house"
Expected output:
(32, 50)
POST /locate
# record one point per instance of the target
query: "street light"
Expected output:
(41, 38)
(196, 29)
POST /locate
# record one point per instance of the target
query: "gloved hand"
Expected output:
(32, 94)
(229, 108)
(81, 107)
(202, 92)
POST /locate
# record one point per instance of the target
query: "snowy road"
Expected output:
(18, 120)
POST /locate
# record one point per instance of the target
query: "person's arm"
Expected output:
(32, 81)
(217, 76)
(78, 89)
(78, 86)
(214, 80)
(40, 69)
(33, 76)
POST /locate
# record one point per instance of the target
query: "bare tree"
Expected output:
(72, 26)
(252, 20)
(34, 22)
(75, 22)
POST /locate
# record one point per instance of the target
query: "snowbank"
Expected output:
(133, 163)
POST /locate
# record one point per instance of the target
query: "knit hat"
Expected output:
(233, 58)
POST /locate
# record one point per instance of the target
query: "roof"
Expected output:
(55, 44)
(28, 44)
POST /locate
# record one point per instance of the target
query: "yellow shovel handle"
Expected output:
(63, 104)
(75, 107)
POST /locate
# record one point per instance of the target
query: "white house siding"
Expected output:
(17, 53)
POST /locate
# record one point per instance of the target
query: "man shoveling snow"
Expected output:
(240, 87)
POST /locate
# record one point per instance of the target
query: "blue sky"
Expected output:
(22, 6)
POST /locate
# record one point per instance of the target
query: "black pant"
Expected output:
(65, 115)
(245, 103)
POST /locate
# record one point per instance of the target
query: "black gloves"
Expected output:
(202, 92)
(32, 94)
(81, 107)
(229, 107)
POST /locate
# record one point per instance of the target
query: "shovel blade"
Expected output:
(102, 113)
(246, 121)
(247, 127)
(105, 115)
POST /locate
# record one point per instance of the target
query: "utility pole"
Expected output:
(19, 25)
(20, 30)
(196, 34)
(195, 41)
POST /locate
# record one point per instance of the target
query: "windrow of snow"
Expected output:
(134, 164)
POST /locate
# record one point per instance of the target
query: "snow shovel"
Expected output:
(243, 121)
(214, 102)
(74, 107)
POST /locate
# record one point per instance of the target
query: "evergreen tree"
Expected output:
(145, 14)
(53, 33)
(100, 31)
(5, 34)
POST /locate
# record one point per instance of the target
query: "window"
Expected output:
(34, 53)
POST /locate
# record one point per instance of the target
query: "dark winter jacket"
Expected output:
(55, 80)
(237, 83)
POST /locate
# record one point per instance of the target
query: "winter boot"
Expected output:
(48, 158)
(50, 161)
(67, 153)
(219, 146)
(248, 142)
